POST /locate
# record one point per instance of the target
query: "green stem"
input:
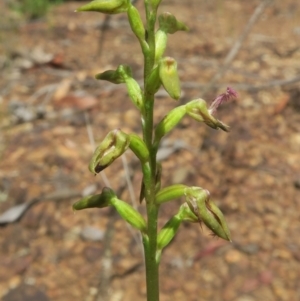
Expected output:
(152, 266)
(150, 241)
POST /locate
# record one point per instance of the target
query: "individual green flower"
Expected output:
(96, 201)
(203, 207)
(169, 23)
(123, 74)
(169, 77)
(113, 146)
(197, 109)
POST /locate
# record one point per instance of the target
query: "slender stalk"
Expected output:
(150, 243)
(152, 267)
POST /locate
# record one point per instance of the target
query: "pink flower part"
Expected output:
(230, 94)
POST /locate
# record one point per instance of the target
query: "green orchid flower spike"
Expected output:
(159, 72)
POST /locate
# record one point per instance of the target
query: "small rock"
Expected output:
(92, 233)
(233, 256)
(88, 190)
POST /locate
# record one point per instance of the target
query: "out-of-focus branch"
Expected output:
(238, 43)
(246, 87)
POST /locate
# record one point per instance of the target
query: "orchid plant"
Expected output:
(159, 71)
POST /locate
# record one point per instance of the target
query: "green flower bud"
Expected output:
(129, 214)
(135, 93)
(138, 146)
(117, 76)
(113, 146)
(169, 23)
(136, 23)
(106, 6)
(169, 77)
(111, 76)
(153, 81)
(169, 122)
(96, 201)
(197, 109)
(200, 204)
(161, 38)
(170, 193)
(167, 233)
(123, 74)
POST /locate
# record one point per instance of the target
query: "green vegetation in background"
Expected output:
(33, 9)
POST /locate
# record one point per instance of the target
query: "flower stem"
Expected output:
(152, 266)
(150, 240)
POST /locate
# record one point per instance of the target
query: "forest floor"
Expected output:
(52, 109)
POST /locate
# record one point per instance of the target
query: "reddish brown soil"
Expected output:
(253, 172)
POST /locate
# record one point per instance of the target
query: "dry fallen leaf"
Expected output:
(13, 214)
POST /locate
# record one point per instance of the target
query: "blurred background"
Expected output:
(53, 112)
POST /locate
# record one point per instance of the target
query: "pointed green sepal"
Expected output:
(167, 233)
(197, 109)
(169, 23)
(117, 76)
(170, 193)
(96, 201)
(200, 204)
(130, 215)
(169, 122)
(111, 76)
(169, 77)
(113, 146)
(106, 6)
(139, 148)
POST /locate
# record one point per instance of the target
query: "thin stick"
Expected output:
(93, 144)
(246, 87)
(238, 43)
(274, 83)
(104, 26)
(138, 239)
(105, 274)
(128, 181)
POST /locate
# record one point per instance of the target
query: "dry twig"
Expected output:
(238, 44)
